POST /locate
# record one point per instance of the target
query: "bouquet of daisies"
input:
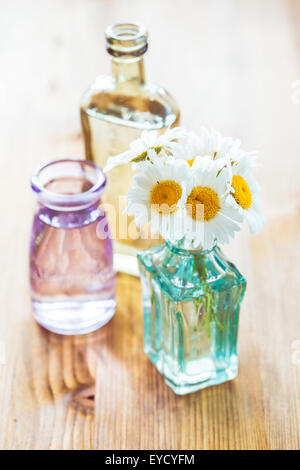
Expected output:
(194, 188)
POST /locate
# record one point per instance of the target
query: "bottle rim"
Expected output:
(126, 40)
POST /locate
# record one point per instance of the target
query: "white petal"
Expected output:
(255, 217)
(118, 160)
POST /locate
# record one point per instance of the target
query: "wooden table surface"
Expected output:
(232, 65)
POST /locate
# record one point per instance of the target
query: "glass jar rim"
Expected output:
(56, 200)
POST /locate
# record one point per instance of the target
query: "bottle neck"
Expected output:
(129, 71)
(72, 218)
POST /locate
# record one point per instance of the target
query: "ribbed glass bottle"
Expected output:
(191, 313)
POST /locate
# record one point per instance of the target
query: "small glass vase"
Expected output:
(71, 260)
(191, 312)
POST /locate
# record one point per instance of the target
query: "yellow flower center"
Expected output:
(242, 193)
(190, 162)
(208, 198)
(165, 195)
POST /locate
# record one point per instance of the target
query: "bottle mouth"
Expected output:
(69, 184)
(126, 40)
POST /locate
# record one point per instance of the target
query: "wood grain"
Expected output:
(233, 65)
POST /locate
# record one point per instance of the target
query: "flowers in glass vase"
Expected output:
(196, 188)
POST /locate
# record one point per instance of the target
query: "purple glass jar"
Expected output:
(71, 259)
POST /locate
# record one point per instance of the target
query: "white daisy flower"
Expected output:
(214, 144)
(208, 217)
(147, 148)
(246, 160)
(243, 193)
(188, 149)
(168, 138)
(158, 194)
(209, 142)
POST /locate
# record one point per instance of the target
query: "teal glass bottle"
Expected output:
(191, 312)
